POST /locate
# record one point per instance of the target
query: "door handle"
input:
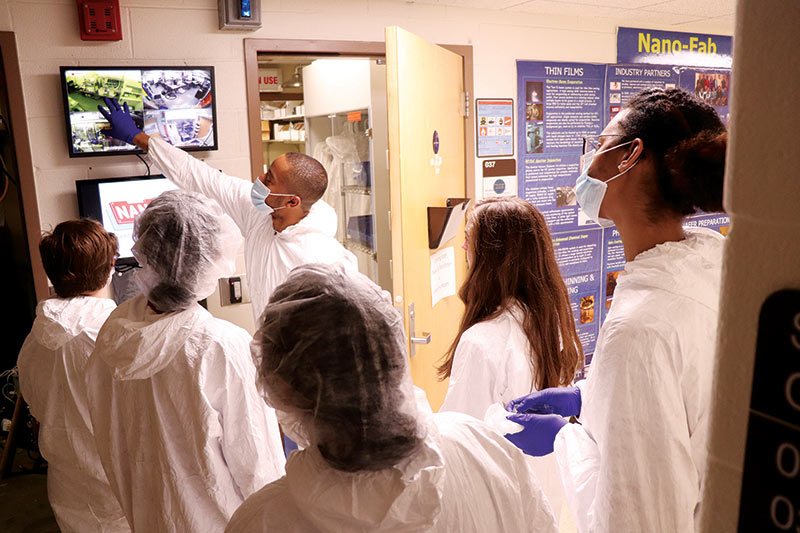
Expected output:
(422, 340)
(426, 335)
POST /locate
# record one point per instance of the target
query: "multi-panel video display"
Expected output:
(174, 103)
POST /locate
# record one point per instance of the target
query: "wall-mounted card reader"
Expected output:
(233, 290)
(239, 15)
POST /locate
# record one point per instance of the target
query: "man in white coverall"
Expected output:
(280, 215)
(78, 256)
(182, 432)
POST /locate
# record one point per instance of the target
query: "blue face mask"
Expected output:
(258, 195)
(590, 191)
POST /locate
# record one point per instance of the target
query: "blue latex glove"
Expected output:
(122, 125)
(539, 434)
(564, 401)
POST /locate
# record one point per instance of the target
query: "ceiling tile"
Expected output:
(704, 8)
(552, 7)
(638, 16)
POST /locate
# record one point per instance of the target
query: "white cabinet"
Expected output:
(346, 130)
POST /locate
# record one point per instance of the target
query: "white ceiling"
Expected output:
(667, 12)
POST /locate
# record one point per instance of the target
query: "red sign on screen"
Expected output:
(125, 212)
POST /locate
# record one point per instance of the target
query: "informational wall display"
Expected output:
(770, 498)
(613, 266)
(625, 81)
(578, 254)
(563, 103)
(636, 45)
(499, 177)
(710, 85)
(495, 126)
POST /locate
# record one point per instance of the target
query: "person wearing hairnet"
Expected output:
(516, 314)
(280, 215)
(370, 460)
(638, 460)
(78, 257)
(181, 429)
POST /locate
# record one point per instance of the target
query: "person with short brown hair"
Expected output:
(78, 257)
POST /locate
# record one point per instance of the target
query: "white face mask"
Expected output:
(590, 191)
(258, 195)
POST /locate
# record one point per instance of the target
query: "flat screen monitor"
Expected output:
(115, 202)
(174, 103)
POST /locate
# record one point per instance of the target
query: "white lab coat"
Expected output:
(637, 463)
(465, 477)
(492, 364)
(269, 255)
(182, 432)
(52, 365)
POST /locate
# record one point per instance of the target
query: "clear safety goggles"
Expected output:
(593, 143)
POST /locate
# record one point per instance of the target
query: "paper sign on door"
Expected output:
(443, 274)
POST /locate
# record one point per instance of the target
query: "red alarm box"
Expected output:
(99, 20)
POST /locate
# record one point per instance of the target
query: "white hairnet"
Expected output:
(184, 244)
(333, 359)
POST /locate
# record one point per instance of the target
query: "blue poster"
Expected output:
(560, 103)
(710, 85)
(613, 265)
(625, 81)
(579, 254)
(717, 221)
(636, 45)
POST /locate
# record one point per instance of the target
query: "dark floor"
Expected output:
(23, 499)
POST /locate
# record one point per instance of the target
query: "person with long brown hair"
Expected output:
(517, 334)
(518, 331)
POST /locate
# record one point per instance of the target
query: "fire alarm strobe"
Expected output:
(99, 20)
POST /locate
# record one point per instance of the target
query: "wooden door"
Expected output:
(425, 97)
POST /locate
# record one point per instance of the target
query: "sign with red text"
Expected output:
(269, 80)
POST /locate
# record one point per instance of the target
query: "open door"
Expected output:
(425, 98)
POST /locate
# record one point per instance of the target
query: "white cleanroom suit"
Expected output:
(637, 463)
(464, 477)
(269, 255)
(52, 365)
(492, 364)
(373, 461)
(181, 430)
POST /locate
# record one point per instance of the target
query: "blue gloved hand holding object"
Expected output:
(539, 432)
(122, 125)
(564, 401)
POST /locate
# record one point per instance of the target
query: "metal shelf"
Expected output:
(358, 247)
(288, 117)
(357, 189)
(282, 142)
